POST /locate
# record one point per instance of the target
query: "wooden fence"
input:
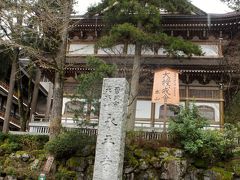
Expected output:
(44, 130)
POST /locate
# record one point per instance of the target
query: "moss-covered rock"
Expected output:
(221, 173)
(200, 163)
(143, 164)
(89, 173)
(131, 160)
(88, 150)
(155, 162)
(173, 168)
(177, 152)
(90, 160)
(78, 164)
(65, 174)
(233, 166)
(163, 152)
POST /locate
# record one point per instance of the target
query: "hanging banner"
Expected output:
(166, 87)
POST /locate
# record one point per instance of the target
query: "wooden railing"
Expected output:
(13, 119)
(43, 128)
(5, 86)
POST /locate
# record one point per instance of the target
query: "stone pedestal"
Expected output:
(111, 130)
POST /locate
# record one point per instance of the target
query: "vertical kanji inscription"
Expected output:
(111, 130)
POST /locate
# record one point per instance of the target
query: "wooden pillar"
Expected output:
(165, 118)
(95, 50)
(187, 91)
(153, 114)
(221, 105)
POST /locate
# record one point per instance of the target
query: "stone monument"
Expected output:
(111, 130)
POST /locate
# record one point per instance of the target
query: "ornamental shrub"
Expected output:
(189, 131)
(68, 143)
(12, 142)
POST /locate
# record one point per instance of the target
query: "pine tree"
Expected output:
(234, 4)
(40, 34)
(138, 22)
(54, 17)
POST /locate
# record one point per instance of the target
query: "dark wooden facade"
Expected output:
(202, 79)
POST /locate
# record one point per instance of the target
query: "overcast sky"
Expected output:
(209, 6)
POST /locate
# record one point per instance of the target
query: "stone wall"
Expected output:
(141, 163)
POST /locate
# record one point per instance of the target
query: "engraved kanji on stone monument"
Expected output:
(111, 130)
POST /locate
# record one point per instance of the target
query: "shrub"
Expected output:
(36, 142)
(9, 147)
(24, 142)
(68, 143)
(187, 129)
(2, 137)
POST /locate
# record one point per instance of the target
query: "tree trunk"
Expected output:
(20, 100)
(49, 101)
(134, 87)
(10, 94)
(56, 115)
(35, 94)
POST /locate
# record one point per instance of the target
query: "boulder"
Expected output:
(10, 178)
(34, 165)
(143, 165)
(156, 162)
(173, 168)
(78, 164)
(193, 174)
(128, 170)
(25, 157)
(217, 173)
(148, 174)
(178, 153)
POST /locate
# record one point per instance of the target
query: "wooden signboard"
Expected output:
(166, 91)
(166, 87)
(48, 164)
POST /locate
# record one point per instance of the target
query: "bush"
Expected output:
(30, 142)
(232, 110)
(68, 143)
(9, 147)
(10, 143)
(187, 129)
(2, 137)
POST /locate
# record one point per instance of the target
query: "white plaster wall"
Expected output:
(158, 105)
(214, 105)
(118, 49)
(65, 100)
(81, 49)
(143, 109)
(84, 48)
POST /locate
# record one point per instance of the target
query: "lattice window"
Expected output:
(172, 111)
(182, 93)
(207, 94)
(72, 107)
(207, 112)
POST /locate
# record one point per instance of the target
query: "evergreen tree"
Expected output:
(53, 18)
(90, 87)
(234, 4)
(40, 33)
(138, 22)
(4, 61)
(12, 16)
